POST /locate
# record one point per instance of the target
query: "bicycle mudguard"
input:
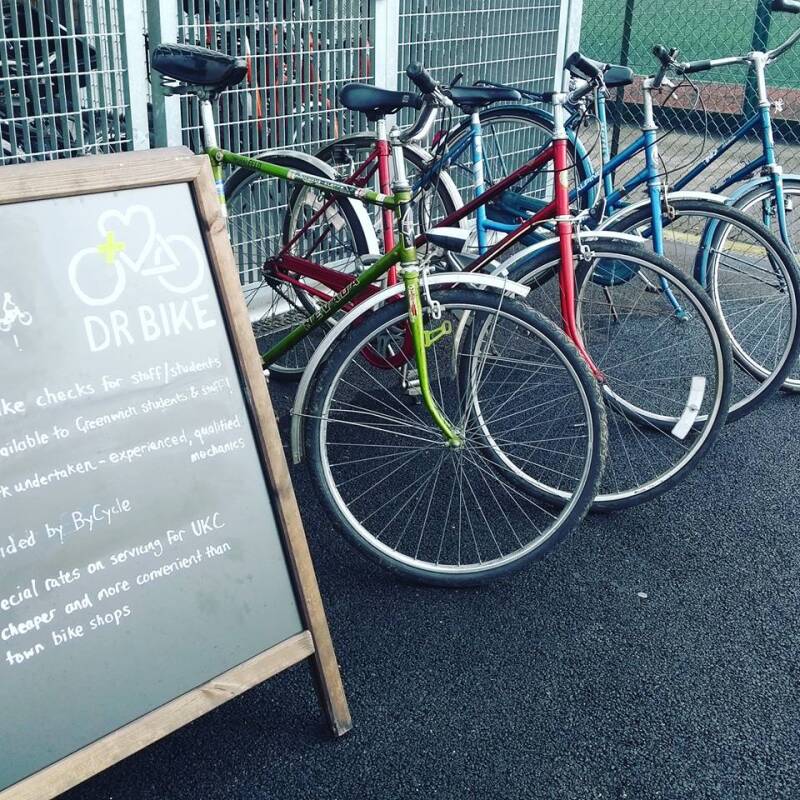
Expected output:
(747, 187)
(701, 265)
(554, 243)
(494, 282)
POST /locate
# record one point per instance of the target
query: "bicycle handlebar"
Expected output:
(667, 60)
(427, 84)
(789, 6)
(421, 78)
(782, 48)
(688, 67)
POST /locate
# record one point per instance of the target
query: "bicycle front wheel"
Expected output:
(466, 514)
(760, 202)
(666, 378)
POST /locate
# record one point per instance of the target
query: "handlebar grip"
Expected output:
(421, 78)
(695, 66)
(661, 53)
(790, 6)
(580, 63)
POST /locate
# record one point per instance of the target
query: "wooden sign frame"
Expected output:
(108, 173)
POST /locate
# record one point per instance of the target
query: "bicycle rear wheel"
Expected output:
(327, 230)
(510, 137)
(752, 279)
(457, 515)
(666, 380)
(760, 203)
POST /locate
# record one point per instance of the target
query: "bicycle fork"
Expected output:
(410, 273)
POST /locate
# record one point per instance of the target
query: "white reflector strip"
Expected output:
(692, 408)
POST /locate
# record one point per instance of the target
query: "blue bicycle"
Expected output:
(750, 274)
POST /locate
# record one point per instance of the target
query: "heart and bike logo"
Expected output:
(130, 244)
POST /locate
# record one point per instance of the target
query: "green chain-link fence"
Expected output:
(624, 31)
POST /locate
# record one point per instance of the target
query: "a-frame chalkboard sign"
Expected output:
(153, 562)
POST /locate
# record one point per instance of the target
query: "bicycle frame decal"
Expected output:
(333, 304)
(714, 155)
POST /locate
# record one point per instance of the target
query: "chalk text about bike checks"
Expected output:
(130, 483)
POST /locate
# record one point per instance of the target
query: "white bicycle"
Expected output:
(12, 314)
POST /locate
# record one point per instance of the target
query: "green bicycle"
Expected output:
(453, 433)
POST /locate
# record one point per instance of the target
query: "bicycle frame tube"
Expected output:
(337, 302)
(718, 152)
(766, 161)
(403, 253)
(615, 196)
(476, 150)
(563, 217)
(440, 164)
(339, 188)
(605, 150)
(558, 209)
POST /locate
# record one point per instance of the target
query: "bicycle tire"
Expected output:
(756, 196)
(321, 449)
(633, 430)
(756, 382)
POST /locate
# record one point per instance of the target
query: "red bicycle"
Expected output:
(666, 380)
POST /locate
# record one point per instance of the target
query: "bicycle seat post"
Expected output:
(210, 142)
(207, 123)
(385, 187)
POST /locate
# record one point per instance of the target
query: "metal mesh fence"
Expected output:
(508, 41)
(513, 42)
(624, 31)
(298, 55)
(63, 90)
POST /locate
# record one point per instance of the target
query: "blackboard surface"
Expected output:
(139, 553)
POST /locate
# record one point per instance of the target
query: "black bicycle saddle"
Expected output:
(375, 102)
(198, 66)
(469, 97)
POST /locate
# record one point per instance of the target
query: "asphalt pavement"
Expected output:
(653, 655)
